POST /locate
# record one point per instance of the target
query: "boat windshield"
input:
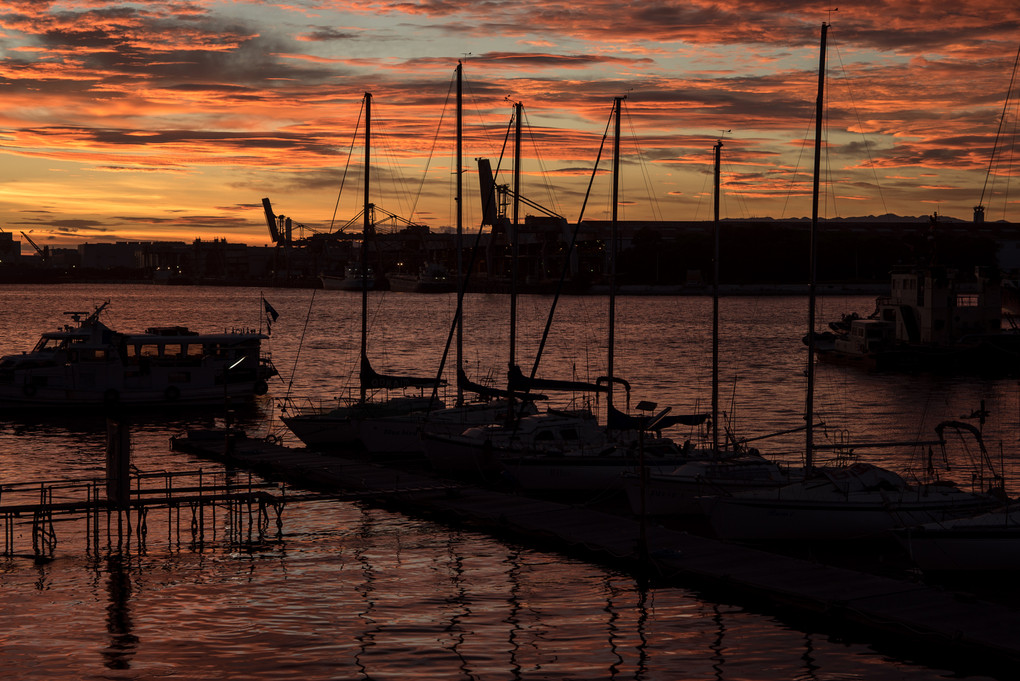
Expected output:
(47, 344)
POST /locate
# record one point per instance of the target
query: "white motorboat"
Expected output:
(86, 363)
(352, 279)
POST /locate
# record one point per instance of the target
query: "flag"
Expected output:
(271, 315)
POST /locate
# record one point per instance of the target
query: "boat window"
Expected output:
(215, 350)
(193, 350)
(135, 352)
(48, 345)
(149, 350)
(569, 434)
(544, 436)
(966, 300)
(173, 350)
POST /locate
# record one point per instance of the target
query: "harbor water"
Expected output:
(344, 590)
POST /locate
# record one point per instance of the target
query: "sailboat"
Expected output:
(719, 471)
(403, 433)
(557, 449)
(861, 500)
(342, 425)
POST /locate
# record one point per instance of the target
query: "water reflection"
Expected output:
(123, 642)
(370, 628)
(460, 603)
(352, 592)
(717, 646)
(513, 576)
(810, 666)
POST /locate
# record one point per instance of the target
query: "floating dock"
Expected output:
(938, 625)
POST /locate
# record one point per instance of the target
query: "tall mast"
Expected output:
(367, 210)
(617, 101)
(460, 231)
(809, 406)
(715, 308)
(514, 249)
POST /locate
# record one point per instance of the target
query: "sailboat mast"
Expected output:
(809, 406)
(460, 229)
(613, 236)
(715, 308)
(514, 249)
(367, 210)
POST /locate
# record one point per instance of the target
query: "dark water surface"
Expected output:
(348, 592)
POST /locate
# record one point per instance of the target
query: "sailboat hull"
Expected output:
(578, 473)
(674, 493)
(323, 431)
(985, 543)
(769, 516)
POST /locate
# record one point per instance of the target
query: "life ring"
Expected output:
(260, 387)
(172, 393)
(28, 389)
(111, 396)
(273, 439)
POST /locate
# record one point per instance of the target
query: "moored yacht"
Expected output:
(86, 363)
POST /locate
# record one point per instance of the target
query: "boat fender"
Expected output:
(28, 389)
(260, 387)
(111, 396)
(172, 393)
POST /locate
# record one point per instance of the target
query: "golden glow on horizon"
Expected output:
(125, 120)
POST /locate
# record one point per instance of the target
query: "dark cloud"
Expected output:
(68, 225)
(326, 34)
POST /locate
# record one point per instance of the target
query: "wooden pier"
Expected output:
(935, 624)
(117, 518)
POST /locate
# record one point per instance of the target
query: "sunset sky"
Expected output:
(170, 120)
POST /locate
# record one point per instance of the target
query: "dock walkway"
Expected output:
(933, 623)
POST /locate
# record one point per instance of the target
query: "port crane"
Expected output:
(43, 252)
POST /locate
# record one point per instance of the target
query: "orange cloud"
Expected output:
(250, 98)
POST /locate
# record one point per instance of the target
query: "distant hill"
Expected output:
(887, 218)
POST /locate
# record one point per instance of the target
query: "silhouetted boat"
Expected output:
(89, 364)
(339, 424)
(351, 280)
(432, 278)
(931, 320)
(861, 500)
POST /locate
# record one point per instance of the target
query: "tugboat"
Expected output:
(86, 363)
